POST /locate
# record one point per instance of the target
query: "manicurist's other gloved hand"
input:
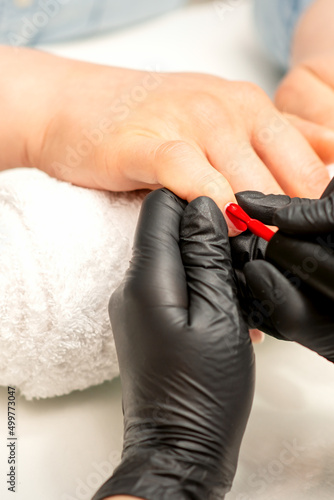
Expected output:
(277, 302)
(185, 356)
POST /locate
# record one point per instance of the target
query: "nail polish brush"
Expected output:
(312, 262)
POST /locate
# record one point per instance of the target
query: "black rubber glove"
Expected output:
(186, 360)
(295, 216)
(281, 305)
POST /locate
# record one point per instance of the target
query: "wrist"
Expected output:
(122, 497)
(165, 474)
(12, 130)
(28, 89)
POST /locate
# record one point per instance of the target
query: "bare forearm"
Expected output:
(314, 35)
(28, 86)
(11, 133)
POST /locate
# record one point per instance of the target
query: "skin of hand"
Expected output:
(280, 304)
(119, 129)
(185, 357)
(306, 94)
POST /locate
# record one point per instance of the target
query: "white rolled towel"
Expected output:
(64, 249)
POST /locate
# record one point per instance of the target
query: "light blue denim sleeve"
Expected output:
(30, 22)
(276, 21)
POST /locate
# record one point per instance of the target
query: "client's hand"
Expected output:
(120, 129)
(185, 357)
(282, 307)
(306, 96)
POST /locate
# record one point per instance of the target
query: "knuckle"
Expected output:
(315, 175)
(213, 184)
(172, 150)
(204, 104)
(214, 177)
(252, 92)
(132, 290)
(270, 125)
(114, 301)
(135, 289)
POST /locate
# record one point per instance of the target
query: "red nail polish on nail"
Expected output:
(242, 221)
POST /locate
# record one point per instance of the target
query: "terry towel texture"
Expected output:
(64, 249)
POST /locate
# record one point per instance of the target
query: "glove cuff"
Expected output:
(163, 475)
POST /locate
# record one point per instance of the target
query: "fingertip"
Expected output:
(232, 230)
(249, 195)
(257, 337)
(203, 205)
(203, 214)
(262, 206)
(235, 226)
(159, 221)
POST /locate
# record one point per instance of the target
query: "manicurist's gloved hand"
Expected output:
(186, 360)
(281, 305)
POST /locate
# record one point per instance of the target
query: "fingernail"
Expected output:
(235, 227)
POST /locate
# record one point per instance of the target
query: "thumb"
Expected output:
(207, 261)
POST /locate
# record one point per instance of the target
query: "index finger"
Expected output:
(156, 272)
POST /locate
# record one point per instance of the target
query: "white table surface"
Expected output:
(68, 445)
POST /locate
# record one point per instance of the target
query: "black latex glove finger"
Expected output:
(151, 303)
(247, 247)
(215, 315)
(312, 218)
(186, 362)
(264, 206)
(255, 316)
(277, 307)
(156, 259)
(297, 216)
(329, 189)
(206, 257)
